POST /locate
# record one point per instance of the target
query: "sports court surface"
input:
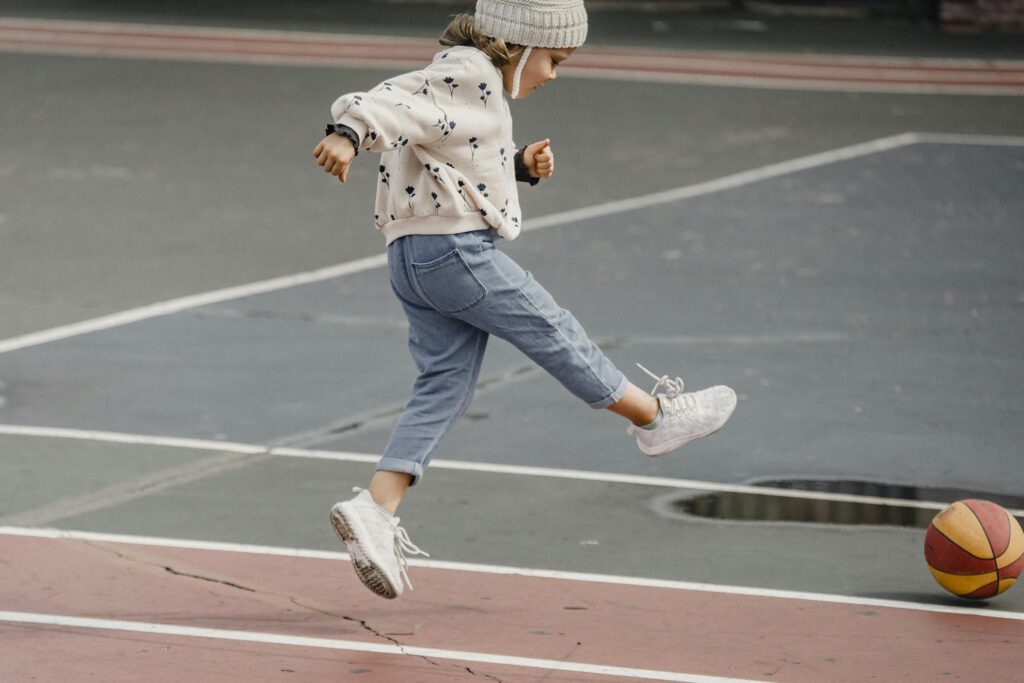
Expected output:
(200, 354)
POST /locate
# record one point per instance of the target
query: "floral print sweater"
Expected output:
(444, 133)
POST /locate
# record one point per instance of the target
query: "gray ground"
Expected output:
(870, 312)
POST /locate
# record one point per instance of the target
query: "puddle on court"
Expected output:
(752, 507)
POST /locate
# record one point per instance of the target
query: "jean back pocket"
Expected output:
(448, 283)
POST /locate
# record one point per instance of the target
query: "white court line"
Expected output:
(176, 305)
(356, 646)
(957, 139)
(727, 183)
(136, 439)
(154, 541)
(470, 466)
(359, 265)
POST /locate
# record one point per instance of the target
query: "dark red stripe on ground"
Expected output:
(229, 36)
(595, 623)
(878, 79)
(228, 43)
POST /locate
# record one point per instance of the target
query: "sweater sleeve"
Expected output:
(523, 173)
(398, 112)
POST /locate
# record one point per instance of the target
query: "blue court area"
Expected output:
(869, 312)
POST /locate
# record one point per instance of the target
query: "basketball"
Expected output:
(974, 549)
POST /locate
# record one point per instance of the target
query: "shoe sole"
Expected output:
(680, 444)
(349, 529)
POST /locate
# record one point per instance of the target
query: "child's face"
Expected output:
(541, 67)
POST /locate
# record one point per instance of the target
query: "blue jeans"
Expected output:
(457, 290)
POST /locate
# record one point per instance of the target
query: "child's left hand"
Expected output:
(539, 159)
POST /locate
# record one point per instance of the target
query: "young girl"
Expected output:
(446, 192)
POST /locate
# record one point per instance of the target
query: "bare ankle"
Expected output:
(388, 488)
(637, 406)
(652, 413)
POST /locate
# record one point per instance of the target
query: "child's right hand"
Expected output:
(335, 153)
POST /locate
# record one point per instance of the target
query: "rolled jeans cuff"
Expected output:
(406, 466)
(615, 396)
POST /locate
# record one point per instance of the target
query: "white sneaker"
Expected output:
(375, 542)
(685, 417)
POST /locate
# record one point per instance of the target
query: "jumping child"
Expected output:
(446, 192)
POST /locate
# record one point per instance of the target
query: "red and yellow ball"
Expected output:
(975, 549)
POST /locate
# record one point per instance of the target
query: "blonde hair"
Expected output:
(463, 31)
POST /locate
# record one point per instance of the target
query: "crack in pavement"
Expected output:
(271, 594)
(174, 571)
(493, 678)
(366, 625)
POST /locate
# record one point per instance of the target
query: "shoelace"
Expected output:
(402, 545)
(674, 387)
(675, 401)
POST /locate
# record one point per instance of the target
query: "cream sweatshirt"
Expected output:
(444, 134)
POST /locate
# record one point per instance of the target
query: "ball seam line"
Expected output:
(983, 559)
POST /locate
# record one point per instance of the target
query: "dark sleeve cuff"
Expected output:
(346, 132)
(523, 173)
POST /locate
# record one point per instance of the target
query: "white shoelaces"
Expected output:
(402, 544)
(676, 402)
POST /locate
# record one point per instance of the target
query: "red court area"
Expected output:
(126, 612)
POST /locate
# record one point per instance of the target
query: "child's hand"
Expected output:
(539, 159)
(335, 153)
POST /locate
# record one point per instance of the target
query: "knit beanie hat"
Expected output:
(534, 23)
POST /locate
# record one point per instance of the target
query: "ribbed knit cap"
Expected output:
(534, 23)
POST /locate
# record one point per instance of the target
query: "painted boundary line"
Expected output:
(65, 534)
(290, 37)
(283, 48)
(609, 208)
(470, 466)
(194, 301)
(778, 83)
(726, 183)
(356, 646)
(960, 139)
(578, 71)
